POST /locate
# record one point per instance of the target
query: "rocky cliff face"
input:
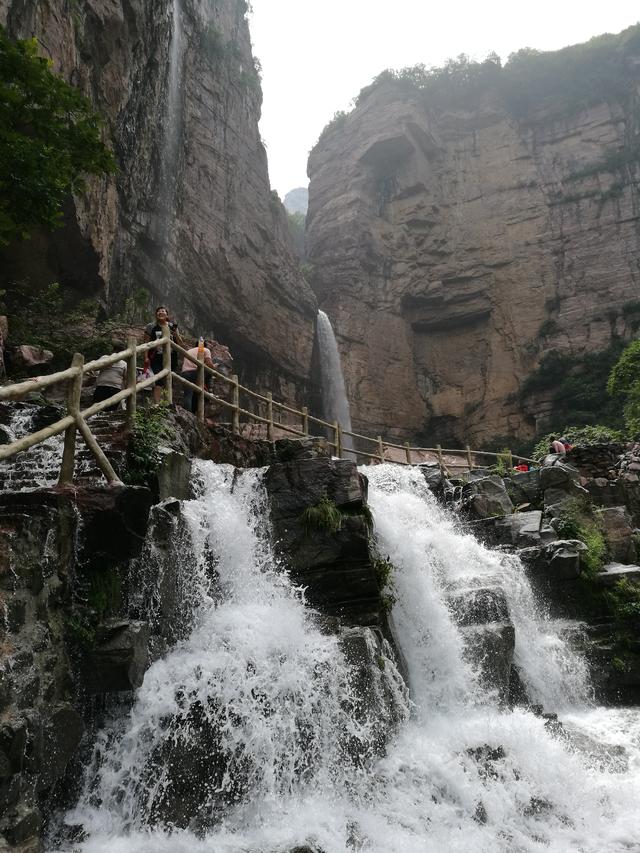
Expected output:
(455, 244)
(190, 217)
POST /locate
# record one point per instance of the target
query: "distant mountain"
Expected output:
(297, 201)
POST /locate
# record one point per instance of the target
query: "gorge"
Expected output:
(244, 643)
(468, 223)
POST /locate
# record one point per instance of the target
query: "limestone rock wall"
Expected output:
(190, 216)
(453, 248)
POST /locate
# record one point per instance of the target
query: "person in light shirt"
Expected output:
(190, 372)
(112, 378)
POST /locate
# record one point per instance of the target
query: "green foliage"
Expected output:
(324, 515)
(576, 521)
(50, 139)
(105, 593)
(577, 387)
(363, 511)
(503, 463)
(623, 600)
(53, 318)
(571, 78)
(583, 436)
(80, 632)
(624, 385)
(143, 456)
(337, 122)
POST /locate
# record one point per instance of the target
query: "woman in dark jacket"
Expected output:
(153, 358)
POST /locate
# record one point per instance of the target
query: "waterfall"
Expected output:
(335, 406)
(173, 124)
(38, 467)
(243, 739)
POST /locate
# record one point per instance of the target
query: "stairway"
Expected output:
(39, 467)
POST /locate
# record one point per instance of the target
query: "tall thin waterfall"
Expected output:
(173, 124)
(335, 404)
(249, 724)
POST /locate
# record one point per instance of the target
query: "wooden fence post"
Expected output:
(305, 420)
(103, 463)
(337, 438)
(235, 425)
(74, 390)
(166, 363)
(380, 448)
(407, 450)
(440, 459)
(132, 379)
(270, 416)
(469, 457)
(200, 380)
(510, 458)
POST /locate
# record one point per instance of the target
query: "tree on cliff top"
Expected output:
(50, 139)
(624, 384)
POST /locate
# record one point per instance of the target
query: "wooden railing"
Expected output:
(76, 419)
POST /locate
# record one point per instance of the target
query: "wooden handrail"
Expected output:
(76, 419)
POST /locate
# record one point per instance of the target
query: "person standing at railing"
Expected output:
(153, 358)
(112, 378)
(190, 372)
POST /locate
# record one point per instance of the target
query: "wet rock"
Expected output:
(479, 606)
(114, 524)
(486, 498)
(120, 658)
(21, 824)
(602, 756)
(489, 649)
(334, 565)
(54, 735)
(174, 476)
(380, 691)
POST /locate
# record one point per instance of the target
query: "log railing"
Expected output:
(274, 412)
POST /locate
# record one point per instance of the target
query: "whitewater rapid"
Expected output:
(461, 772)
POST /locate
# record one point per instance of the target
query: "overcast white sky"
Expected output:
(316, 55)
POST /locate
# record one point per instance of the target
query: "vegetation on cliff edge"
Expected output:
(50, 140)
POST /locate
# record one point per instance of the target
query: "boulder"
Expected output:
(334, 565)
(479, 606)
(564, 558)
(559, 560)
(618, 533)
(614, 572)
(524, 487)
(120, 658)
(486, 498)
(524, 529)
(30, 358)
(558, 475)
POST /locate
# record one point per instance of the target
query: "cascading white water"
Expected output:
(462, 773)
(335, 404)
(258, 699)
(38, 467)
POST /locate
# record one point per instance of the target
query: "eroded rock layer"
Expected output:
(454, 245)
(190, 216)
